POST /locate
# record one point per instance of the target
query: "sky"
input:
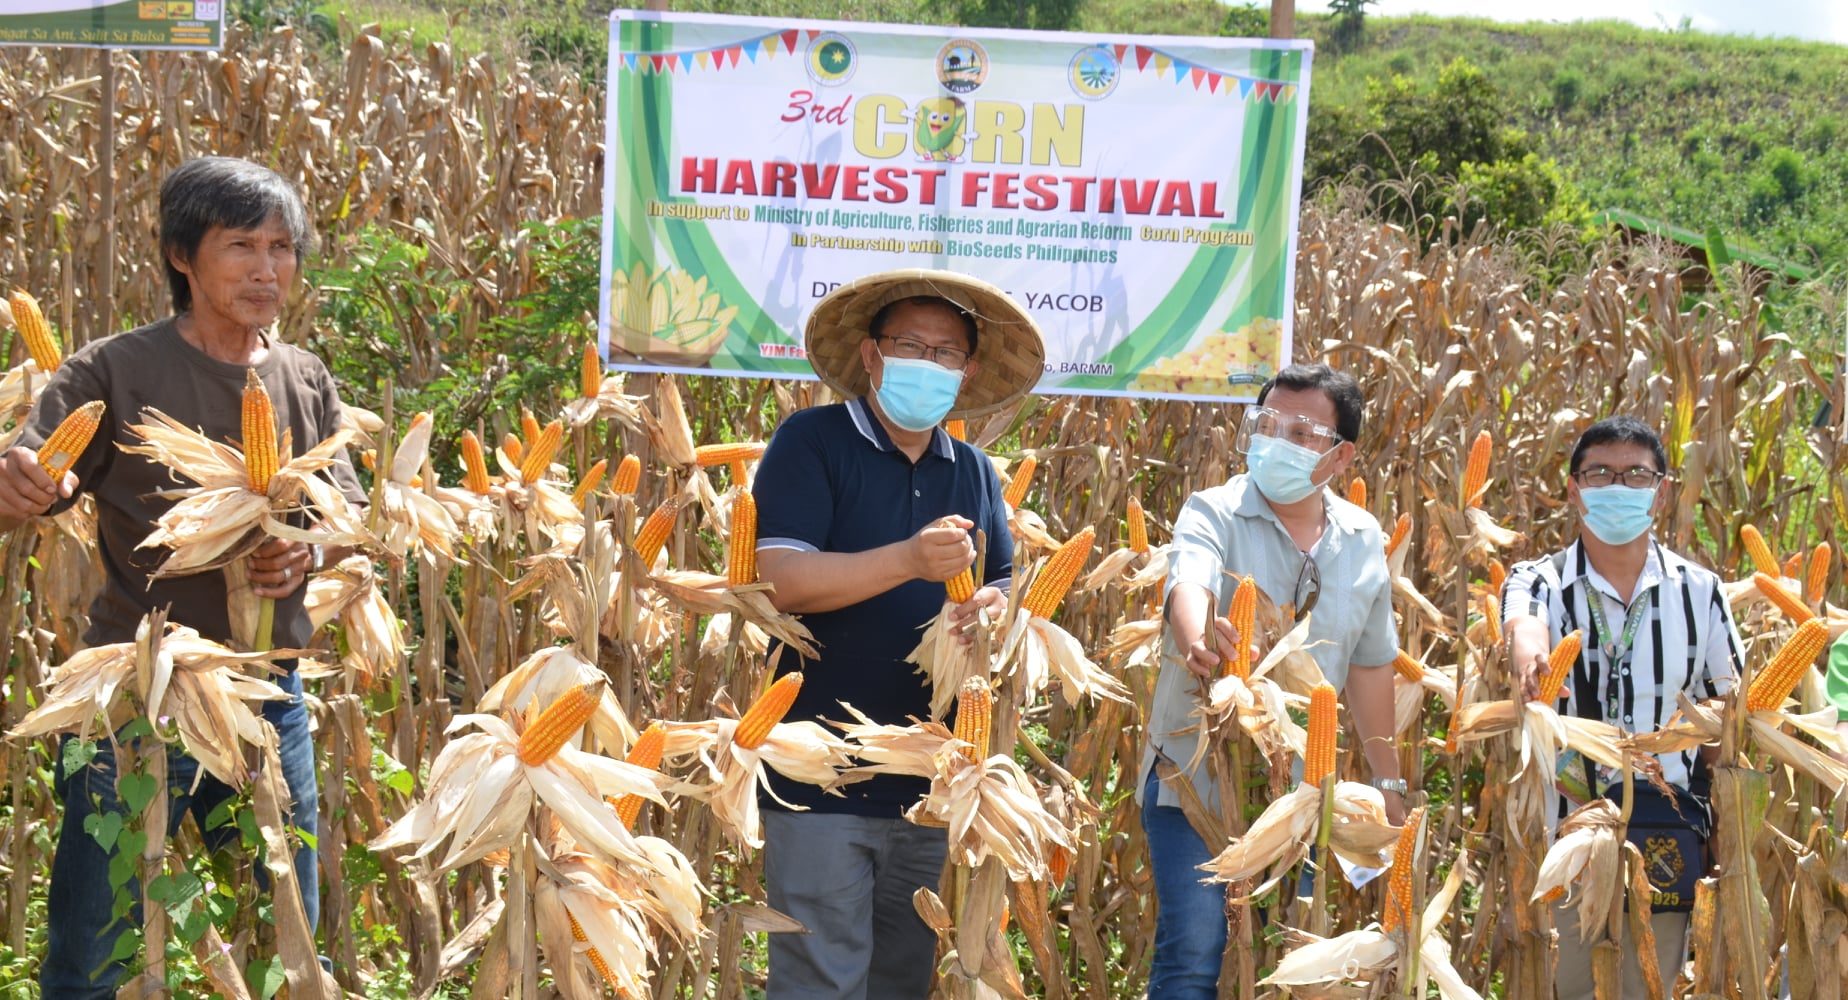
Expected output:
(1818, 20)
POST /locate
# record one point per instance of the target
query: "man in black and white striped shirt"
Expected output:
(1655, 626)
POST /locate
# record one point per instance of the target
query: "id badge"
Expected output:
(1569, 776)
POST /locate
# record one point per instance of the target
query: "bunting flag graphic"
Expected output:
(717, 58)
(1180, 71)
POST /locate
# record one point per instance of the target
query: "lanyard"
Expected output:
(1616, 648)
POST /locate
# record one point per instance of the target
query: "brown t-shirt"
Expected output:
(155, 367)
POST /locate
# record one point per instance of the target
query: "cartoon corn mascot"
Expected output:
(938, 129)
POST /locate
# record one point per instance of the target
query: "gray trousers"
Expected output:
(1572, 979)
(849, 880)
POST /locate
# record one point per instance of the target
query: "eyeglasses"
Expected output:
(1262, 421)
(1302, 601)
(953, 358)
(1639, 477)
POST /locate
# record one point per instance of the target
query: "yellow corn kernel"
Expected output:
(474, 465)
(1058, 865)
(590, 374)
(1559, 664)
(766, 712)
(260, 459)
(741, 476)
(708, 455)
(596, 959)
(628, 476)
(558, 722)
(653, 536)
(1398, 911)
(510, 443)
(34, 332)
(1760, 551)
(1401, 530)
(1817, 584)
(1408, 668)
(1491, 619)
(1319, 756)
(975, 709)
(1498, 577)
(961, 587)
(956, 429)
(589, 484)
(1476, 472)
(529, 427)
(1779, 677)
(1793, 567)
(645, 753)
(1016, 489)
(69, 439)
(1786, 602)
(541, 451)
(1055, 578)
(1357, 492)
(1138, 526)
(741, 567)
(1243, 614)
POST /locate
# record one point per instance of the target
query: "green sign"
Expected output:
(114, 24)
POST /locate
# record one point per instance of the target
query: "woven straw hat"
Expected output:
(1009, 352)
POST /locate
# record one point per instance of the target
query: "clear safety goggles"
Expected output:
(1262, 421)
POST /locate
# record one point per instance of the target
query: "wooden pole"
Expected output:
(1283, 19)
(104, 319)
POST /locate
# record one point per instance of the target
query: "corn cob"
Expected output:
(957, 429)
(740, 475)
(1793, 567)
(260, 458)
(1818, 578)
(1498, 577)
(645, 753)
(35, 332)
(589, 484)
(767, 711)
(1787, 602)
(1138, 525)
(1558, 664)
(961, 587)
(653, 536)
(1408, 668)
(510, 443)
(529, 427)
(1760, 551)
(1554, 895)
(1017, 484)
(1319, 756)
(628, 476)
(1491, 619)
(590, 376)
(1775, 682)
(1055, 578)
(1243, 614)
(1058, 865)
(474, 465)
(69, 439)
(1398, 910)
(1476, 473)
(558, 722)
(1401, 530)
(741, 566)
(1357, 492)
(975, 707)
(539, 455)
(596, 959)
(708, 455)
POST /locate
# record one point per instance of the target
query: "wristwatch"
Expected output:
(1390, 785)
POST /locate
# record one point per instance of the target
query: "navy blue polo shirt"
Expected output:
(833, 481)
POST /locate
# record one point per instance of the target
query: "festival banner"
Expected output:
(114, 24)
(1138, 195)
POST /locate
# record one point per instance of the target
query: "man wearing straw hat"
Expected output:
(865, 508)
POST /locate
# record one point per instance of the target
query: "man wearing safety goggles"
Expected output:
(1655, 626)
(1311, 553)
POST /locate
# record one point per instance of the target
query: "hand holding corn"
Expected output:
(278, 568)
(1207, 655)
(26, 490)
(990, 599)
(942, 549)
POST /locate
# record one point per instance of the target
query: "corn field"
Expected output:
(571, 576)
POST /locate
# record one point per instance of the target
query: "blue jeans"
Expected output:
(82, 934)
(1190, 916)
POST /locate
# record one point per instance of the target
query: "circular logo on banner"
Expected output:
(1094, 72)
(962, 65)
(831, 59)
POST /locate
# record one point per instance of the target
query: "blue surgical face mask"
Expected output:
(1616, 513)
(917, 394)
(1283, 471)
